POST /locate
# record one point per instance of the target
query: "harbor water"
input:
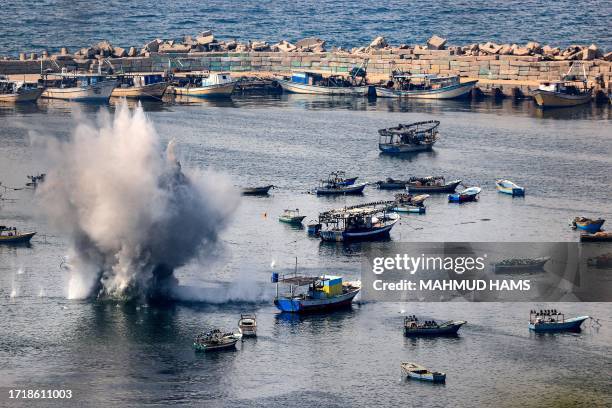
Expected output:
(121, 354)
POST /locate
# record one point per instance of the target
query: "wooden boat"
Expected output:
(204, 84)
(257, 190)
(10, 235)
(424, 86)
(216, 340)
(323, 293)
(141, 86)
(315, 83)
(432, 184)
(369, 221)
(587, 224)
(469, 194)
(553, 321)
(248, 325)
(410, 204)
(292, 217)
(35, 180)
(18, 91)
(391, 184)
(82, 87)
(601, 236)
(418, 372)
(409, 138)
(508, 187)
(564, 93)
(517, 265)
(414, 328)
(334, 189)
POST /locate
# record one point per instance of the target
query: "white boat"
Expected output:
(566, 92)
(314, 83)
(419, 372)
(213, 84)
(141, 86)
(248, 325)
(83, 87)
(425, 86)
(510, 188)
(18, 91)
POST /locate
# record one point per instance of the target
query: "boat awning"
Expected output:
(299, 280)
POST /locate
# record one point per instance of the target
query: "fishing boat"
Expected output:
(414, 328)
(570, 91)
(369, 221)
(203, 84)
(35, 180)
(313, 293)
(248, 325)
(292, 217)
(553, 321)
(520, 265)
(339, 177)
(141, 86)
(418, 372)
(601, 261)
(318, 83)
(10, 235)
(424, 86)
(469, 194)
(82, 87)
(508, 187)
(587, 224)
(313, 228)
(432, 184)
(18, 91)
(257, 190)
(391, 184)
(216, 340)
(601, 236)
(407, 203)
(409, 138)
(336, 183)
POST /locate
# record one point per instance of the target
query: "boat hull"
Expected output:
(350, 189)
(410, 209)
(447, 188)
(30, 95)
(297, 305)
(568, 325)
(447, 330)
(292, 220)
(447, 92)
(151, 91)
(99, 92)
(432, 377)
(510, 189)
(224, 346)
(598, 237)
(212, 91)
(294, 87)
(364, 235)
(17, 239)
(256, 190)
(462, 198)
(592, 227)
(550, 99)
(390, 148)
(506, 269)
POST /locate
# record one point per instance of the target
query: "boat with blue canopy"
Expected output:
(469, 194)
(314, 82)
(409, 138)
(363, 222)
(551, 320)
(508, 187)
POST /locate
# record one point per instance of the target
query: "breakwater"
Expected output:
(507, 69)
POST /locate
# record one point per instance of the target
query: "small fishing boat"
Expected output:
(414, 328)
(322, 293)
(508, 187)
(408, 138)
(317, 83)
(570, 91)
(336, 183)
(339, 177)
(553, 321)
(313, 228)
(391, 184)
(141, 86)
(292, 217)
(424, 86)
(601, 236)
(216, 340)
(369, 221)
(203, 84)
(520, 265)
(82, 87)
(469, 194)
(35, 180)
(418, 372)
(432, 184)
(408, 203)
(10, 235)
(248, 325)
(18, 91)
(587, 224)
(257, 190)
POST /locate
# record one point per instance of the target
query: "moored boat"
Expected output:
(141, 86)
(10, 235)
(587, 224)
(564, 93)
(215, 340)
(248, 325)
(35, 180)
(469, 194)
(18, 91)
(336, 183)
(601, 236)
(317, 83)
(257, 190)
(410, 204)
(418, 372)
(432, 184)
(508, 187)
(553, 321)
(369, 221)
(409, 138)
(520, 265)
(414, 328)
(203, 84)
(424, 86)
(82, 87)
(292, 217)
(391, 184)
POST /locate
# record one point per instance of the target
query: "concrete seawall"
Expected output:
(507, 73)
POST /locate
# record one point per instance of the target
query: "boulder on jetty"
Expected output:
(132, 52)
(103, 48)
(119, 52)
(171, 46)
(284, 46)
(378, 43)
(489, 48)
(436, 43)
(260, 46)
(85, 53)
(205, 37)
(550, 51)
(152, 46)
(313, 44)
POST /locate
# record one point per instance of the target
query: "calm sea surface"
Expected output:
(51, 24)
(117, 354)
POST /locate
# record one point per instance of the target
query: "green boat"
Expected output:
(292, 217)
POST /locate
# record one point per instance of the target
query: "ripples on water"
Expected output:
(51, 24)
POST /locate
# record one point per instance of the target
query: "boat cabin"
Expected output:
(564, 87)
(546, 316)
(409, 82)
(356, 217)
(203, 79)
(73, 80)
(140, 80)
(311, 287)
(8, 87)
(332, 80)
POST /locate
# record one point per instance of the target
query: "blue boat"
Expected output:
(323, 293)
(553, 321)
(508, 187)
(469, 194)
(587, 224)
(415, 328)
(363, 222)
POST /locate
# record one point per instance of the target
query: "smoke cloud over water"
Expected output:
(132, 213)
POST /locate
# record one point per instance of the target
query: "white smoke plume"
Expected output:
(132, 213)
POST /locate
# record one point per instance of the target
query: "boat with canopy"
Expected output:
(409, 138)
